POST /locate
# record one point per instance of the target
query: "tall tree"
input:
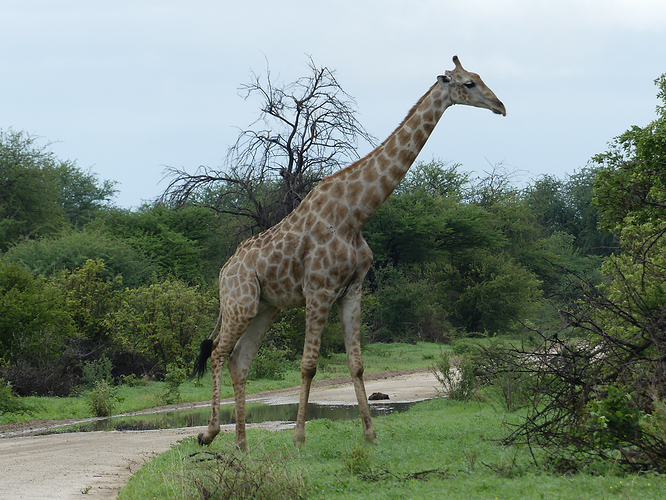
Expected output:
(632, 177)
(28, 196)
(81, 194)
(41, 194)
(306, 130)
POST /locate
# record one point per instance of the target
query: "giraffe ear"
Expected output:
(443, 78)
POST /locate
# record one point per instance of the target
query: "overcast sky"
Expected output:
(125, 88)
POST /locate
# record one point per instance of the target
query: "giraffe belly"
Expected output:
(284, 299)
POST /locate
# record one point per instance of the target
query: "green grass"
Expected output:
(377, 357)
(456, 441)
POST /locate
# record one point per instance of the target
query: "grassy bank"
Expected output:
(377, 357)
(439, 449)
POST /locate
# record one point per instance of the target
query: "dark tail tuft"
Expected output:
(204, 353)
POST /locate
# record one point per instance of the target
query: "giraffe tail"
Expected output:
(205, 350)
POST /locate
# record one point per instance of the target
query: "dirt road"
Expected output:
(64, 466)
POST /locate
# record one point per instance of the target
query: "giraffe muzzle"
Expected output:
(498, 108)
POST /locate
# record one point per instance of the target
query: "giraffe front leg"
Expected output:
(308, 372)
(317, 310)
(350, 319)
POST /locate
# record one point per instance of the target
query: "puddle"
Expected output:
(255, 413)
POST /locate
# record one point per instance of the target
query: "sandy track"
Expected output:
(62, 466)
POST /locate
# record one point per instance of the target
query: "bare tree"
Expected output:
(306, 130)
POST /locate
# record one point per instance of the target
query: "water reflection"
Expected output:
(256, 413)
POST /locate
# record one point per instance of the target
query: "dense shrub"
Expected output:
(163, 323)
(9, 402)
(102, 399)
(71, 250)
(271, 362)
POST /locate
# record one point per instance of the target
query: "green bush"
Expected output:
(69, 251)
(32, 310)
(10, 403)
(358, 460)
(99, 369)
(459, 377)
(163, 323)
(403, 308)
(271, 363)
(288, 333)
(487, 292)
(613, 419)
(512, 389)
(174, 377)
(102, 399)
(237, 475)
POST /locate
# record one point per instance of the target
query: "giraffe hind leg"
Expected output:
(222, 346)
(240, 361)
(317, 310)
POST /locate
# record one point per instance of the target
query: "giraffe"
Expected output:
(317, 256)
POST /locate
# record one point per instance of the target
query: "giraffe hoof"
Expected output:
(201, 439)
(299, 440)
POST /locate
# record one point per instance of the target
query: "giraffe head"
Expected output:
(468, 88)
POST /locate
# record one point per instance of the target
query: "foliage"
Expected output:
(102, 399)
(80, 195)
(68, 251)
(630, 180)
(590, 395)
(613, 420)
(270, 363)
(173, 379)
(163, 323)
(9, 402)
(310, 131)
(511, 388)
(565, 206)
(402, 309)
(41, 195)
(487, 292)
(189, 243)
(28, 189)
(288, 334)
(90, 300)
(96, 370)
(459, 377)
(33, 316)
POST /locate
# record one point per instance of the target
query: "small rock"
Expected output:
(376, 396)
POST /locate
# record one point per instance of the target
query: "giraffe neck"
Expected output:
(363, 186)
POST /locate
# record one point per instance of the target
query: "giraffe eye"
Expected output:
(469, 85)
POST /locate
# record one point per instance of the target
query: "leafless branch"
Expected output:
(306, 130)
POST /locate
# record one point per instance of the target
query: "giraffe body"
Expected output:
(317, 256)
